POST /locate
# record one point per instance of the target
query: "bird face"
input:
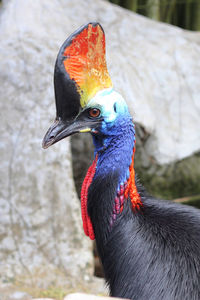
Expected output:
(110, 103)
(100, 116)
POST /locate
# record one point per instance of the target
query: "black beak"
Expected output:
(60, 129)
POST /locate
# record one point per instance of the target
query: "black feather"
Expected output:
(153, 253)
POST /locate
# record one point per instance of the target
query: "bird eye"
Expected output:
(94, 112)
(115, 107)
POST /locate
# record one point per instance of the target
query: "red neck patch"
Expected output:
(128, 189)
(131, 189)
(87, 224)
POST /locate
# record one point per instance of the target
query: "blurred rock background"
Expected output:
(156, 67)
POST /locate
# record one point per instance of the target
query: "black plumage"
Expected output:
(151, 254)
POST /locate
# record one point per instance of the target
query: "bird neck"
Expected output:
(110, 182)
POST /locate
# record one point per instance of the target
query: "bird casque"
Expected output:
(149, 248)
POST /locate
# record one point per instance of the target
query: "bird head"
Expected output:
(85, 99)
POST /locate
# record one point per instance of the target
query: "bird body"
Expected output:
(149, 248)
(151, 253)
(148, 251)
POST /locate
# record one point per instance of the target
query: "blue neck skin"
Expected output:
(115, 150)
(114, 147)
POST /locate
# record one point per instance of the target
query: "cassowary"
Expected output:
(150, 249)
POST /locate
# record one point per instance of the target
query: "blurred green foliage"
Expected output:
(182, 13)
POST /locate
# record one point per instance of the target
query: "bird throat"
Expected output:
(127, 190)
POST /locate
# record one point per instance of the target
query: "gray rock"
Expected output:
(19, 296)
(11, 292)
(156, 68)
(40, 228)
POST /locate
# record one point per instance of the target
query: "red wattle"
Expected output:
(131, 188)
(87, 224)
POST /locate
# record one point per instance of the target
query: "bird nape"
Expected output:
(149, 248)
